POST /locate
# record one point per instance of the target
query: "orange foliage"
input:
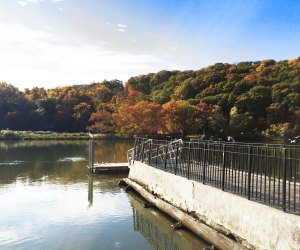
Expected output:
(141, 118)
(250, 76)
(132, 96)
(181, 117)
(102, 122)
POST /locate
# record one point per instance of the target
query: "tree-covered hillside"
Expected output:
(243, 100)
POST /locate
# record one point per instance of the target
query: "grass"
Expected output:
(49, 135)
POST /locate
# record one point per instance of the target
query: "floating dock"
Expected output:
(107, 168)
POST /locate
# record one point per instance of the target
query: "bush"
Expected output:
(10, 135)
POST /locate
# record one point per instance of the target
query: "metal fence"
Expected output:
(267, 173)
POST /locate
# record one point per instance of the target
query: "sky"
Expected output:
(50, 43)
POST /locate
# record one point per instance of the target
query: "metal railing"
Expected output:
(267, 173)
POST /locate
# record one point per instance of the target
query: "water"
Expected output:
(49, 200)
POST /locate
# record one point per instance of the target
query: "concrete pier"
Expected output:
(251, 223)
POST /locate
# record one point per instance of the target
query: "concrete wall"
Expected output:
(260, 225)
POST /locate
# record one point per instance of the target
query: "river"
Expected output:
(49, 200)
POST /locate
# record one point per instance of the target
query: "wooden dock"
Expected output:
(107, 168)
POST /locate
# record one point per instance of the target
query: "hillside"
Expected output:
(245, 100)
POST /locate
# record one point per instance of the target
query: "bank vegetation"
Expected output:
(245, 100)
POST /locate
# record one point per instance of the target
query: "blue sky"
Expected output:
(62, 42)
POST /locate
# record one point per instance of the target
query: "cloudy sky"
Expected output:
(63, 42)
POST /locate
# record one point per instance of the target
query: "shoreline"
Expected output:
(49, 135)
(6, 135)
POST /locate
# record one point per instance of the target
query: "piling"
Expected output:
(91, 154)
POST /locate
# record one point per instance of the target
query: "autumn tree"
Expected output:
(182, 118)
(102, 122)
(141, 118)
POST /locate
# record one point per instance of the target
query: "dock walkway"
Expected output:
(266, 173)
(106, 168)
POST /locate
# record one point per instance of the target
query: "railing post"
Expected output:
(189, 162)
(150, 152)
(267, 172)
(90, 154)
(176, 160)
(143, 149)
(204, 163)
(157, 149)
(223, 166)
(249, 171)
(134, 150)
(137, 149)
(166, 152)
(284, 179)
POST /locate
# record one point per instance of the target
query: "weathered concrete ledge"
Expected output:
(253, 224)
(199, 228)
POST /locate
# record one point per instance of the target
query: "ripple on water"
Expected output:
(11, 163)
(72, 159)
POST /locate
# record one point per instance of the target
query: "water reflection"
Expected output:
(150, 222)
(91, 189)
(156, 228)
(52, 204)
(35, 159)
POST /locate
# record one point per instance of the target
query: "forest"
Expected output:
(244, 100)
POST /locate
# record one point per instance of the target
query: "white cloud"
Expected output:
(121, 30)
(22, 3)
(122, 25)
(34, 1)
(60, 9)
(55, 1)
(43, 58)
(117, 244)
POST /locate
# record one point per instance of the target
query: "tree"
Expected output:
(186, 90)
(141, 118)
(182, 118)
(13, 108)
(102, 122)
(241, 123)
(46, 109)
(254, 101)
(81, 115)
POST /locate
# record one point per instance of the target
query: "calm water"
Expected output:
(48, 200)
